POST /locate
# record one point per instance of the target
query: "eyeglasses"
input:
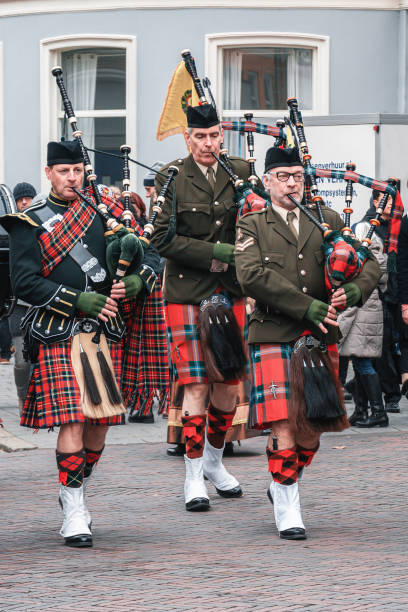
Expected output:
(283, 177)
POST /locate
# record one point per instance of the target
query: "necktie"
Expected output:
(290, 217)
(211, 177)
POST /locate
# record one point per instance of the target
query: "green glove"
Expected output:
(224, 252)
(317, 312)
(91, 303)
(353, 293)
(133, 284)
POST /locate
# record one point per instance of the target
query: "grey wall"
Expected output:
(364, 65)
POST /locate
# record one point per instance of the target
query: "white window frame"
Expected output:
(50, 56)
(320, 46)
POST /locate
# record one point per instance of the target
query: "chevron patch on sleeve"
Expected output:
(241, 246)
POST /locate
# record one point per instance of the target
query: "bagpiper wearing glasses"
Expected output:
(280, 263)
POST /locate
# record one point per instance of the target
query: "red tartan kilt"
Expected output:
(53, 396)
(185, 347)
(270, 393)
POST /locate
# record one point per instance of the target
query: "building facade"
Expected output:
(338, 58)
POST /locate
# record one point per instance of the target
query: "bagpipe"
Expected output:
(124, 248)
(343, 257)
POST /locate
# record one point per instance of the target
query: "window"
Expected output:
(99, 75)
(257, 72)
(262, 78)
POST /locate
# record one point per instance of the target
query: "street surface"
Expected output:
(150, 554)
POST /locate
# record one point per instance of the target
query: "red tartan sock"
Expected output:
(91, 459)
(305, 455)
(283, 465)
(194, 427)
(218, 424)
(71, 468)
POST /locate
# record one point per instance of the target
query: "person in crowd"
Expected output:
(362, 336)
(69, 290)
(23, 195)
(116, 192)
(199, 246)
(139, 208)
(148, 183)
(402, 282)
(280, 264)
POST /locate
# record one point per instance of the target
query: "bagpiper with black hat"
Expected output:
(205, 312)
(292, 331)
(74, 331)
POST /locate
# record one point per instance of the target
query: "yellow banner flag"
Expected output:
(180, 94)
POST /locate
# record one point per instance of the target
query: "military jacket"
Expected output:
(285, 275)
(54, 297)
(204, 217)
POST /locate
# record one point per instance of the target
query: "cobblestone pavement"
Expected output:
(150, 554)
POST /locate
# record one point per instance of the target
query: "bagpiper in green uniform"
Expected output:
(196, 233)
(57, 263)
(280, 264)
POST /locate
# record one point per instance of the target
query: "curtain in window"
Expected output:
(304, 77)
(81, 84)
(232, 94)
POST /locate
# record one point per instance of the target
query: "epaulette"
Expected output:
(7, 220)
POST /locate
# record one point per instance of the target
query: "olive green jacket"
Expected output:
(284, 275)
(204, 217)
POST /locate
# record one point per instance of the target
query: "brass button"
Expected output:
(300, 256)
(57, 299)
(304, 289)
(218, 223)
(303, 272)
(266, 258)
(216, 203)
(179, 161)
(48, 307)
(181, 275)
(218, 242)
(194, 209)
(85, 246)
(63, 290)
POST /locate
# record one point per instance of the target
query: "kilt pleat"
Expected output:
(53, 396)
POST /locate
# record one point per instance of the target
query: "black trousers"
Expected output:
(388, 365)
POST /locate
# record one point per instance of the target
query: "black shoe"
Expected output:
(359, 414)
(228, 449)
(198, 504)
(294, 533)
(392, 407)
(347, 396)
(79, 541)
(404, 389)
(135, 417)
(177, 451)
(234, 492)
(378, 418)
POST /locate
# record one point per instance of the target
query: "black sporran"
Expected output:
(221, 340)
(316, 396)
